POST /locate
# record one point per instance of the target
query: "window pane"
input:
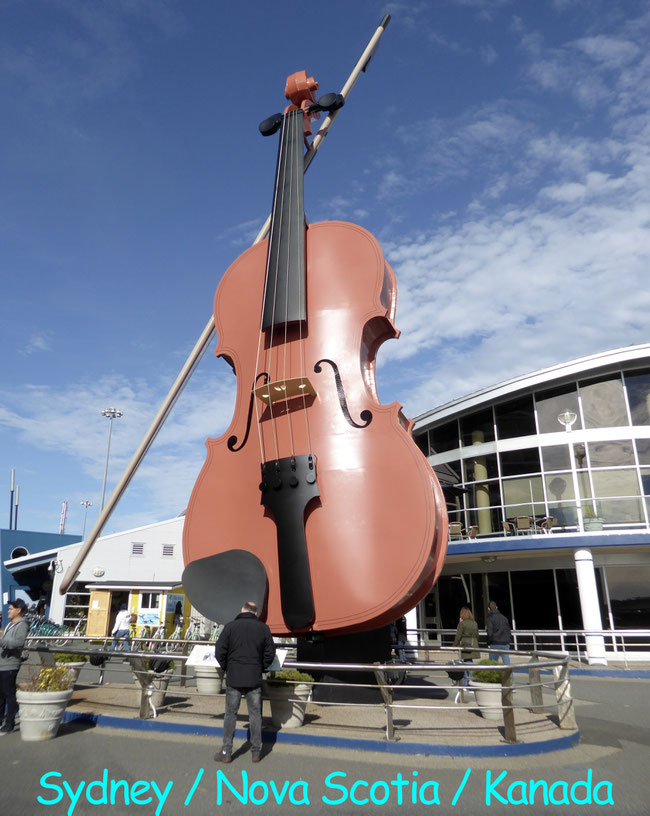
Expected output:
(515, 418)
(477, 428)
(611, 454)
(638, 395)
(620, 511)
(553, 402)
(488, 519)
(422, 441)
(643, 449)
(645, 481)
(629, 596)
(484, 494)
(480, 468)
(560, 487)
(556, 457)
(525, 460)
(519, 491)
(615, 483)
(565, 513)
(603, 403)
(444, 438)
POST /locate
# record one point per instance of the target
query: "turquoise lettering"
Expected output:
(265, 792)
(512, 790)
(400, 783)
(565, 791)
(136, 789)
(223, 779)
(352, 790)
(161, 795)
(373, 797)
(304, 788)
(74, 795)
(582, 783)
(490, 788)
(608, 787)
(279, 794)
(102, 784)
(430, 784)
(536, 783)
(330, 784)
(116, 784)
(45, 784)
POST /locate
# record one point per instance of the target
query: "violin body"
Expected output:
(375, 522)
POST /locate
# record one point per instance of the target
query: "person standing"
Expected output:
(467, 636)
(121, 628)
(244, 650)
(498, 632)
(11, 648)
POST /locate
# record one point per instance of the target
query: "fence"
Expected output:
(621, 644)
(387, 676)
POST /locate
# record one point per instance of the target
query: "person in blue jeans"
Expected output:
(121, 635)
(498, 632)
(244, 650)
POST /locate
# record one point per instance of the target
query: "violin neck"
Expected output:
(285, 297)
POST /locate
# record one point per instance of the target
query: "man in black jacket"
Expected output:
(244, 650)
(498, 632)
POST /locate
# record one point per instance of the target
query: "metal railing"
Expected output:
(530, 663)
(620, 644)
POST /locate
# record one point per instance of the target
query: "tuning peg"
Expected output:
(271, 125)
(329, 102)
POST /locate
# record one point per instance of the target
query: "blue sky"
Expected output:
(498, 150)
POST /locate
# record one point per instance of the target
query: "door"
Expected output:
(99, 608)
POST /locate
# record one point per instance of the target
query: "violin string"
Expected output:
(296, 120)
(303, 225)
(301, 294)
(277, 205)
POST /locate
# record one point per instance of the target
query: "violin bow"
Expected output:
(206, 336)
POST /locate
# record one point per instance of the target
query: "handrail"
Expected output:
(534, 664)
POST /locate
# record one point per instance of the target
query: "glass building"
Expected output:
(547, 480)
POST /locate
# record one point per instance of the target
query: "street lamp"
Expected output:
(111, 413)
(568, 418)
(86, 504)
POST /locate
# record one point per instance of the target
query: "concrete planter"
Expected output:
(41, 713)
(488, 699)
(209, 679)
(159, 683)
(593, 523)
(288, 703)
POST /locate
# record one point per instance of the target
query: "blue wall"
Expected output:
(34, 543)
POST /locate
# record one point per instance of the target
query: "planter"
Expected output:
(74, 669)
(209, 679)
(159, 682)
(593, 523)
(488, 699)
(288, 703)
(41, 713)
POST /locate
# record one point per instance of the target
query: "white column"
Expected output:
(590, 608)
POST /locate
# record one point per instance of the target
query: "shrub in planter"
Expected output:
(42, 701)
(487, 675)
(486, 684)
(289, 692)
(157, 673)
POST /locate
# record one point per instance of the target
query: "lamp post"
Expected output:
(568, 418)
(111, 413)
(86, 504)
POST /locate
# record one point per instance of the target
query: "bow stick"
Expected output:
(206, 336)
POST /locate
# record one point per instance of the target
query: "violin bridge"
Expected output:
(282, 390)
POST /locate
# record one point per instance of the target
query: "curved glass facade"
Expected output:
(513, 458)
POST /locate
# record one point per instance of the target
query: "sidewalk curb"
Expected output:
(428, 749)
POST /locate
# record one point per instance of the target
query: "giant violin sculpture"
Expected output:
(316, 503)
